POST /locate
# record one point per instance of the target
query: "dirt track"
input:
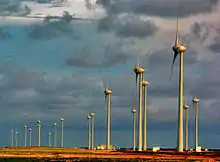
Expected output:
(59, 153)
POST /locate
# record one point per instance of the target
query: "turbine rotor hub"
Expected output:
(138, 70)
(92, 114)
(185, 106)
(195, 100)
(182, 48)
(133, 110)
(145, 83)
(107, 91)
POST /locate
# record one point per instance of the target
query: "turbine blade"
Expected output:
(139, 57)
(176, 35)
(174, 59)
(136, 78)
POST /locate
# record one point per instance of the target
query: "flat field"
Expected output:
(62, 154)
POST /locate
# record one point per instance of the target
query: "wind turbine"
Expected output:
(108, 93)
(93, 128)
(186, 107)
(62, 121)
(30, 137)
(179, 49)
(39, 132)
(25, 135)
(12, 137)
(89, 134)
(55, 134)
(196, 102)
(145, 84)
(49, 139)
(139, 72)
(133, 111)
(16, 138)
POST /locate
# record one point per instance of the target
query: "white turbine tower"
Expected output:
(55, 134)
(62, 121)
(16, 138)
(186, 107)
(30, 137)
(196, 102)
(49, 139)
(139, 72)
(133, 111)
(25, 135)
(89, 134)
(93, 128)
(39, 132)
(145, 84)
(12, 137)
(108, 93)
(179, 49)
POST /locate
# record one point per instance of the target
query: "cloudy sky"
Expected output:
(54, 67)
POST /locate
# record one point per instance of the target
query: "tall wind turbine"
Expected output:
(12, 137)
(196, 102)
(62, 121)
(145, 84)
(186, 107)
(49, 139)
(93, 128)
(89, 134)
(139, 72)
(108, 93)
(30, 137)
(179, 49)
(25, 135)
(133, 111)
(39, 132)
(55, 134)
(16, 138)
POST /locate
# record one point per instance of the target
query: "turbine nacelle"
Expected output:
(88, 117)
(61, 119)
(25, 126)
(133, 110)
(38, 122)
(30, 129)
(145, 83)
(92, 114)
(195, 100)
(107, 91)
(49, 134)
(138, 70)
(185, 106)
(54, 124)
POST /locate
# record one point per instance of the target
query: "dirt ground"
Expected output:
(71, 153)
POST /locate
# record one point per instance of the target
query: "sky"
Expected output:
(59, 67)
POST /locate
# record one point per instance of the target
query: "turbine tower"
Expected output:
(196, 102)
(139, 72)
(16, 138)
(25, 135)
(179, 49)
(108, 93)
(30, 137)
(49, 139)
(93, 128)
(145, 84)
(12, 137)
(186, 107)
(133, 111)
(39, 132)
(55, 134)
(62, 121)
(89, 134)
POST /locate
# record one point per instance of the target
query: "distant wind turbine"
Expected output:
(139, 72)
(62, 121)
(39, 132)
(186, 107)
(49, 139)
(108, 93)
(25, 135)
(16, 138)
(145, 84)
(196, 102)
(133, 111)
(55, 134)
(93, 128)
(89, 134)
(179, 49)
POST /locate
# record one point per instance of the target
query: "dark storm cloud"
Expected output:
(13, 8)
(50, 29)
(215, 45)
(112, 55)
(128, 26)
(162, 8)
(201, 30)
